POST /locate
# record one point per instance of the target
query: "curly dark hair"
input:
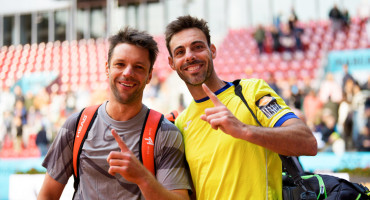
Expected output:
(185, 22)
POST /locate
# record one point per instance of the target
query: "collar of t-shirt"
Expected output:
(228, 84)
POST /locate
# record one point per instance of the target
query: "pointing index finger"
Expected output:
(120, 142)
(211, 95)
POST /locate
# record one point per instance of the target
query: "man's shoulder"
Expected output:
(167, 126)
(252, 84)
(71, 121)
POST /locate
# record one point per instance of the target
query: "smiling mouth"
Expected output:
(193, 68)
(127, 84)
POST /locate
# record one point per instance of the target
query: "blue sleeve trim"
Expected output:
(284, 118)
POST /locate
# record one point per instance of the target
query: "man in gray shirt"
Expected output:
(109, 167)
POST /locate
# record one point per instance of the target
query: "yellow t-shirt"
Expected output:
(224, 167)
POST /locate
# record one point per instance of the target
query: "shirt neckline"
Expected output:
(228, 84)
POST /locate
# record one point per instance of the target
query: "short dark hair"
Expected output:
(185, 22)
(135, 37)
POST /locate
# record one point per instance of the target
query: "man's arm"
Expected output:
(293, 138)
(152, 189)
(128, 166)
(50, 189)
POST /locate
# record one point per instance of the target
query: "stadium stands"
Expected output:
(83, 61)
(240, 47)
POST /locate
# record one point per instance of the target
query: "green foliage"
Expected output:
(364, 172)
(31, 171)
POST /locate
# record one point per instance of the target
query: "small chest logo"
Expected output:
(187, 125)
(268, 105)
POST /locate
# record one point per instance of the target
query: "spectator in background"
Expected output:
(41, 101)
(275, 34)
(297, 32)
(29, 100)
(259, 36)
(312, 107)
(330, 94)
(287, 38)
(366, 85)
(336, 18)
(272, 83)
(277, 21)
(293, 15)
(332, 140)
(42, 141)
(364, 138)
(7, 125)
(345, 121)
(348, 90)
(70, 102)
(330, 89)
(7, 100)
(18, 94)
(358, 107)
(346, 19)
(20, 119)
(346, 75)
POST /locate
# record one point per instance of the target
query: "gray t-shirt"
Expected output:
(95, 181)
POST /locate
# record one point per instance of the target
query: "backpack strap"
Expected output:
(321, 184)
(151, 125)
(287, 161)
(172, 116)
(83, 126)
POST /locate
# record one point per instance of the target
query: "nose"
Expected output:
(190, 56)
(128, 71)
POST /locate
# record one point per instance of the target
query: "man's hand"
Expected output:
(125, 162)
(220, 117)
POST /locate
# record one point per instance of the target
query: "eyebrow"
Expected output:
(123, 60)
(194, 42)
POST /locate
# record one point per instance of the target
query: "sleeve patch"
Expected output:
(268, 105)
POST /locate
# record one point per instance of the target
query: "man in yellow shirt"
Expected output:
(229, 155)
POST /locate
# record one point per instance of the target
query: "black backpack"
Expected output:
(300, 185)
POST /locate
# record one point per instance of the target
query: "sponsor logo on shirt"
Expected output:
(268, 105)
(187, 125)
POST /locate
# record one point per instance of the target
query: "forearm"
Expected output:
(152, 189)
(291, 139)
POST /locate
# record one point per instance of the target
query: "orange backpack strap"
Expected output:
(172, 116)
(83, 126)
(147, 139)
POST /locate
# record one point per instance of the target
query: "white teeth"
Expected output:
(127, 85)
(193, 68)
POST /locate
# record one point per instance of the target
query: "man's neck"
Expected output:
(213, 84)
(122, 112)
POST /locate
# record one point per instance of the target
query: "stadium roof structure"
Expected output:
(27, 6)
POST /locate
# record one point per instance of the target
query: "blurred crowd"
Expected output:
(281, 36)
(338, 112)
(28, 118)
(25, 114)
(285, 33)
